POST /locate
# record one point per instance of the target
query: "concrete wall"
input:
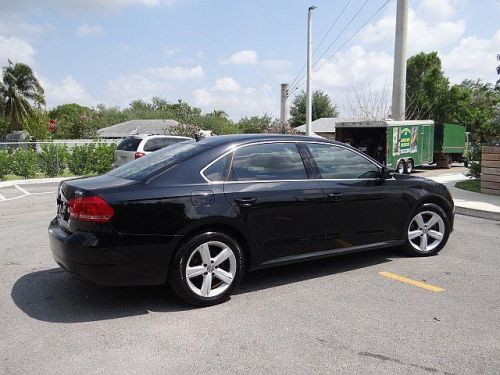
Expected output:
(490, 170)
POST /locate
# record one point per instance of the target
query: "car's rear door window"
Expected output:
(153, 144)
(129, 144)
(336, 162)
(218, 171)
(267, 162)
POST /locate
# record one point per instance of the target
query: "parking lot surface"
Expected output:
(369, 313)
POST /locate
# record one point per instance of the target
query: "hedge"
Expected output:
(53, 159)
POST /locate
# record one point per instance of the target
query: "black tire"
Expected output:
(178, 279)
(428, 207)
(401, 167)
(466, 162)
(410, 166)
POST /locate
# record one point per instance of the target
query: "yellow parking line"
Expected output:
(416, 283)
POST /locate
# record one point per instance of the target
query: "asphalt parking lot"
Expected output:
(339, 315)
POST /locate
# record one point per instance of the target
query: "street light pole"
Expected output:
(400, 47)
(308, 77)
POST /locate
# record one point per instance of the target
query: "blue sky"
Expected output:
(232, 55)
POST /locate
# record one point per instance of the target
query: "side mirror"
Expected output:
(385, 172)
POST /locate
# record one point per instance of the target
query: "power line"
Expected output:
(301, 81)
(353, 35)
(342, 31)
(322, 39)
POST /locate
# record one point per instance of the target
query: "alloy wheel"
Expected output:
(210, 269)
(426, 231)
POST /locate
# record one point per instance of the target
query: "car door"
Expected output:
(363, 209)
(269, 188)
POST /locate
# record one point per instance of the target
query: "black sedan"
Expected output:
(198, 215)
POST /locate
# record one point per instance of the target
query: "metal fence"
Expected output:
(69, 143)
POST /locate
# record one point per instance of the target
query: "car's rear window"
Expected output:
(154, 162)
(129, 144)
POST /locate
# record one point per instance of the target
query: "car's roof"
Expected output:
(143, 136)
(250, 138)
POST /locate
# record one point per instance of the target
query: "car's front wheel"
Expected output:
(428, 231)
(207, 269)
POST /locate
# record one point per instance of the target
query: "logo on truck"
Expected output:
(404, 140)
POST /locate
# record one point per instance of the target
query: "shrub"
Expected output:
(474, 170)
(4, 164)
(103, 157)
(81, 159)
(53, 159)
(24, 163)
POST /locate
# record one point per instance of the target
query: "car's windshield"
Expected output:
(148, 165)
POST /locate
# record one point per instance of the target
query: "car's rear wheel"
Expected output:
(428, 231)
(207, 269)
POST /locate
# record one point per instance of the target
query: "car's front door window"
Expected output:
(336, 162)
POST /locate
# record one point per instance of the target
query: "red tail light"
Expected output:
(94, 209)
(137, 155)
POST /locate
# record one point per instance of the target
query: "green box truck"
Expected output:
(403, 145)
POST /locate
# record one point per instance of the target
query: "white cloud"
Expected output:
(14, 26)
(439, 9)
(227, 84)
(135, 86)
(176, 72)
(68, 90)
(247, 102)
(423, 34)
(85, 29)
(244, 57)
(473, 58)
(16, 49)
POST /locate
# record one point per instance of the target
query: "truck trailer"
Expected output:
(404, 145)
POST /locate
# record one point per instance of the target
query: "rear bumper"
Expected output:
(110, 261)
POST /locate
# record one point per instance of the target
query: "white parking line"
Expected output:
(21, 190)
(26, 195)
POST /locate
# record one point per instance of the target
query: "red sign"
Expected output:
(52, 125)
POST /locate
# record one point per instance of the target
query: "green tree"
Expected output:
(255, 124)
(322, 106)
(74, 121)
(19, 92)
(37, 124)
(426, 87)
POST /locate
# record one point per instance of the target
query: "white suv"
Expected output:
(135, 146)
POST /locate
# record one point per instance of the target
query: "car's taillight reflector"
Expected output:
(93, 208)
(137, 155)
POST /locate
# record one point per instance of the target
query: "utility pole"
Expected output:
(399, 77)
(284, 103)
(308, 77)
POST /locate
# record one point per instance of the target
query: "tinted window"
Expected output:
(271, 161)
(338, 162)
(152, 163)
(216, 172)
(153, 144)
(129, 144)
(171, 141)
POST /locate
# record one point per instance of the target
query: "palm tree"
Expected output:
(19, 91)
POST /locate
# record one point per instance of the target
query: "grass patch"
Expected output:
(470, 185)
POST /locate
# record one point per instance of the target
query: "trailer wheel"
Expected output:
(401, 167)
(409, 166)
(466, 162)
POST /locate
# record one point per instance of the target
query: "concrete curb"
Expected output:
(34, 181)
(490, 215)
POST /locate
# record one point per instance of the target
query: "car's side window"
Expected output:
(153, 144)
(217, 171)
(336, 162)
(267, 162)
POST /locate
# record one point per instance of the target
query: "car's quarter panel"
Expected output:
(282, 217)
